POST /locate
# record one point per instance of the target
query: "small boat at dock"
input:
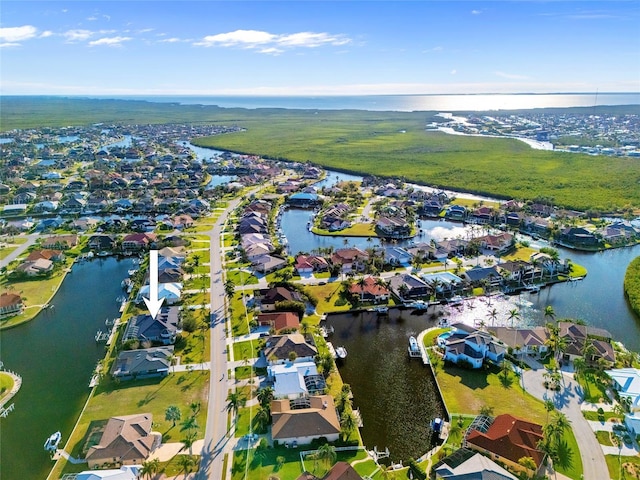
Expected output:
(341, 352)
(51, 444)
(414, 349)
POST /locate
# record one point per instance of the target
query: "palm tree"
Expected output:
(262, 419)
(229, 288)
(189, 440)
(150, 467)
(235, 401)
(513, 314)
(549, 312)
(265, 396)
(493, 315)
(549, 407)
(186, 463)
(195, 407)
(189, 424)
(348, 423)
(172, 414)
(327, 453)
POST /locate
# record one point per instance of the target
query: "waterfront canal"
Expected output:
(396, 395)
(55, 354)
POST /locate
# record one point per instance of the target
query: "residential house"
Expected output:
(138, 241)
(453, 247)
(47, 254)
(144, 363)
(60, 242)
(340, 471)
(370, 291)
(518, 271)
(483, 215)
(396, 256)
(35, 267)
(350, 259)
(483, 275)
(627, 382)
(269, 297)
(393, 226)
(311, 263)
(507, 439)
(407, 286)
(578, 337)
(279, 320)
(530, 341)
(268, 263)
(279, 348)
(456, 212)
(126, 472)
(497, 243)
(473, 348)
(295, 379)
(170, 292)
(466, 464)
(10, 304)
(302, 425)
(578, 236)
(102, 243)
(161, 329)
(126, 440)
(423, 251)
(444, 284)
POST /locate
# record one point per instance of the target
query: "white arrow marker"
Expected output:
(153, 303)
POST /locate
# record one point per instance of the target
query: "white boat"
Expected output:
(414, 349)
(51, 445)
(381, 309)
(456, 300)
(436, 424)
(341, 352)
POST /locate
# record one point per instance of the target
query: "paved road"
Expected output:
(216, 438)
(568, 401)
(31, 239)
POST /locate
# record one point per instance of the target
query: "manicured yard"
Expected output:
(151, 395)
(430, 337)
(594, 388)
(329, 298)
(604, 438)
(467, 391)
(241, 278)
(6, 384)
(630, 466)
(355, 230)
(248, 349)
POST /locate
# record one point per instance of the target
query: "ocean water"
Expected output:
(406, 103)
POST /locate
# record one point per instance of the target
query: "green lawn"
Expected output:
(429, 339)
(355, 230)
(151, 395)
(572, 468)
(604, 438)
(630, 466)
(594, 388)
(467, 391)
(329, 298)
(247, 349)
(241, 278)
(6, 384)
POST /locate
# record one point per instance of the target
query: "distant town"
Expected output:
(242, 307)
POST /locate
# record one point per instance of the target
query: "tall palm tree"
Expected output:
(186, 463)
(189, 440)
(327, 453)
(513, 314)
(361, 283)
(150, 467)
(235, 401)
(189, 424)
(348, 423)
(549, 312)
(265, 396)
(493, 315)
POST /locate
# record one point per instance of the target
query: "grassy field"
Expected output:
(380, 143)
(630, 467)
(329, 297)
(6, 384)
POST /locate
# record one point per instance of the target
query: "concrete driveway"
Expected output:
(568, 401)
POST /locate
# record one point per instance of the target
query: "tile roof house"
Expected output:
(351, 259)
(279, 320)
(61, 242)
(370, 291)
(507, 440)
(162, 329)
(269, 297)
(577, 336)
(340, 471)
(144, 363)
(295, 379)
(10, 304)
(278, 349)
(529, 340)
(138, 241)
(35, 267)
(126, 440)
(302, 425)
(408, 286)
(53, 255)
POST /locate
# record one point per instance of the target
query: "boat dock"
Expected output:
(101, 336)
(332, 350)
(423, 350)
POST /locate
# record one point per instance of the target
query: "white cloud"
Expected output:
(45, 34)
(271, 43)
(476, 12)
(17, 34)
(92, 19)
(511, 76)
(10, 45)
(171, 40)
(78, 35)
(454, 71)
(110, 41)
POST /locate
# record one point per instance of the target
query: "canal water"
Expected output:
(55, 354)
(396, 395)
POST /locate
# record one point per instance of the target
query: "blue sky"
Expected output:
(317, 48)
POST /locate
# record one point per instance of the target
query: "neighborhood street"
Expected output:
(568, 401)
